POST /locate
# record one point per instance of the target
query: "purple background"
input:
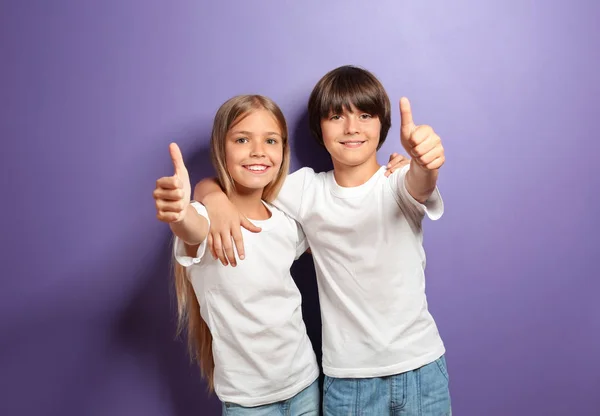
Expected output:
(93, 92)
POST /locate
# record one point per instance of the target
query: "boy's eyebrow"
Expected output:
(351, 109)
(269, 133)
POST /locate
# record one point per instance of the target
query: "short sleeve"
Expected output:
(433, 207)
(179, 251)
(302, 243)
(290, 197)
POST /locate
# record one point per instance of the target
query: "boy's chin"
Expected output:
(353, 160)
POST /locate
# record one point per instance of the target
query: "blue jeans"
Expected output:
(305, 403)
(421, 392)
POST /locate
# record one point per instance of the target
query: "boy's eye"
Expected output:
(271, 141)
(366, 116)
(241, 140)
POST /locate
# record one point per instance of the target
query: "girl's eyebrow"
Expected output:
(269, 133)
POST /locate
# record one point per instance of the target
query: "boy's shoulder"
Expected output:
(306, 177)
(309, 172)
(279, 218)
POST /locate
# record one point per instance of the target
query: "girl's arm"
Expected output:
(192, 229)
(172, 201)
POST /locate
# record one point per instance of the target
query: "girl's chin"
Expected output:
(257, 184)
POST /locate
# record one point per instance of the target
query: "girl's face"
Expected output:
(254, 151)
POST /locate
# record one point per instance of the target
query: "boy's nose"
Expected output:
(351, 126)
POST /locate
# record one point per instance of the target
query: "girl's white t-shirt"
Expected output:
(261, 350)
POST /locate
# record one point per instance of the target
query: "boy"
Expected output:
(382, 353)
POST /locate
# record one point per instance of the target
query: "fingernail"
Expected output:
(242, 257)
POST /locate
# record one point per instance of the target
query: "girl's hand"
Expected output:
(395, 163)
(172, 193)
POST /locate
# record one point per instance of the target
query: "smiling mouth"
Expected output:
(256, 169)
(353, 143)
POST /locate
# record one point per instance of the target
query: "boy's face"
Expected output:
(351, 137)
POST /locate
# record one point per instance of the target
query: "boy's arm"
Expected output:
(425, 148)
(301, 241)
(420, 182)
(291, 195)
(225, 222)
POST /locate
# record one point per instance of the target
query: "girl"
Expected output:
(244, 324)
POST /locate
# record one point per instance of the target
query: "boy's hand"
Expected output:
(225, 224)
(172, 193)
(421, 142)
(395, 163)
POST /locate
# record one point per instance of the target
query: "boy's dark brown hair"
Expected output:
(342, 88)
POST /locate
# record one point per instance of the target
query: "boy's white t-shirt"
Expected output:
(366, 243)
(261, 351)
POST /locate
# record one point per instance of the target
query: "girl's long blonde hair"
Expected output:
(188, 309)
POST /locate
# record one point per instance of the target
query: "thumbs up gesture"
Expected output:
(421, 142)
(172, 194)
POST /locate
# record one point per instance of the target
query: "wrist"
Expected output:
(422, 170)
(186, 227)
(416, 167)
(183, 216)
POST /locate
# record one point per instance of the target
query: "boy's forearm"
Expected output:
(193, 229)
(420, 182)
(205, 188)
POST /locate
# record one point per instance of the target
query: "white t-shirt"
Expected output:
(366, 242)
(261, 350)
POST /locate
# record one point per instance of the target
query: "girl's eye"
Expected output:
(241, 140)
(335, 117)
(271, 141)
(365, 116)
